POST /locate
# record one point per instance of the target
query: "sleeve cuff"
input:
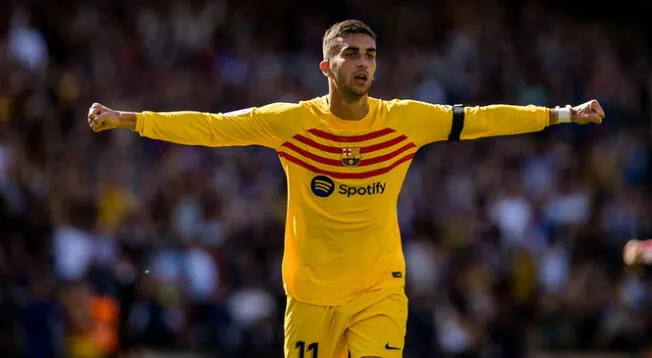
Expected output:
(140, 122)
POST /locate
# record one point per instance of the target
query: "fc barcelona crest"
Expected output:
(351, 156)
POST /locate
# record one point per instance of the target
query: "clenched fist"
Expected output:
(101, 118)
(589, 112)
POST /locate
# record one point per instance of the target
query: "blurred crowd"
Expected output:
(111, 243)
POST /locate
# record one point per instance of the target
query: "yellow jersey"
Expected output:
(344, 177)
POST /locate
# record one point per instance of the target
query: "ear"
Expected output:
(325, 68)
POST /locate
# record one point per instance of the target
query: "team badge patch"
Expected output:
(351, 156)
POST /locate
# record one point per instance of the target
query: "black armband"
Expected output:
(458, 123)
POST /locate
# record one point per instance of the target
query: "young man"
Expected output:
(345, 156)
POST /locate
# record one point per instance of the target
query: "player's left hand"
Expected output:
(589, 112)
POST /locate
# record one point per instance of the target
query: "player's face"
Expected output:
(353, 67)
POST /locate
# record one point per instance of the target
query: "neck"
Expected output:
(347, 108)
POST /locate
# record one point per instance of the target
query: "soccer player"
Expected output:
(345, 156)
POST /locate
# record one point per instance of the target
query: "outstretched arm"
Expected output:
(253, 126)
(431, 123)
(497, 120)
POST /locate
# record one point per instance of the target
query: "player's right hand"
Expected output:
(102, 118)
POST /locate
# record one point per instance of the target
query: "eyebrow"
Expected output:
(357, 49)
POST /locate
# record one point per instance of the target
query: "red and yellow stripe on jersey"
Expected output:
(323, 153)
(342, 236)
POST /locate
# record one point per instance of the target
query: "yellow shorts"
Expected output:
(372, 325)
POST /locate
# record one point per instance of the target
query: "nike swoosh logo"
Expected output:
(390, 348)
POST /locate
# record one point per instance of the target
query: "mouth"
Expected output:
(361, 78)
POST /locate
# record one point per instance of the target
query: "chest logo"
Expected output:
(351, 156)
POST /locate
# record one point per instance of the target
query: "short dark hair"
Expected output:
(330, 45)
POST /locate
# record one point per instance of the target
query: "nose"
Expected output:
(364, 63)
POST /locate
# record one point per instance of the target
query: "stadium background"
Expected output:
(513, 244)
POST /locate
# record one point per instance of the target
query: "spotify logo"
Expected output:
(322, 186)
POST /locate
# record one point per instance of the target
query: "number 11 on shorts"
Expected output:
(312, 348)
